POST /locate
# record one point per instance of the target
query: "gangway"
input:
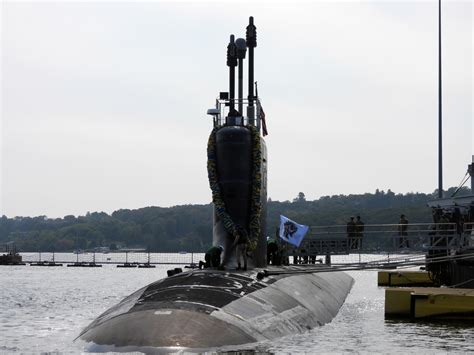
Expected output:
(405, 238)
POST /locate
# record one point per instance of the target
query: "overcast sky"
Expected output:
(104, 103)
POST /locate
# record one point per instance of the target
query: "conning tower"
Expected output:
(237, 160)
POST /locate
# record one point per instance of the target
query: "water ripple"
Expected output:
(44, 309)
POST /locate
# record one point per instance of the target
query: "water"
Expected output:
(43, 309)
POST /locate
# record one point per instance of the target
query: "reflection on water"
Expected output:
(43, 309)
(448, 335)
(360, 326)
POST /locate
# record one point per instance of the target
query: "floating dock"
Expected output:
(146, 266)
(404, 278)
(429, 302)
(46, 263)
(84, 264)
(128, 265)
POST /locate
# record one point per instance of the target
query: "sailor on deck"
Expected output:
(241, 247)
(351, 232)
(212, 257)
(272, 251)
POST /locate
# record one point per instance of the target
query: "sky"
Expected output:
(103, 104)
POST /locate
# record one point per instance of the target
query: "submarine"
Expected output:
(228, 307)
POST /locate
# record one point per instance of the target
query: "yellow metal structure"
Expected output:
(397, 302)
(429, 302)
(404, 278)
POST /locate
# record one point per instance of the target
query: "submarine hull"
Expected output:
(211, 309)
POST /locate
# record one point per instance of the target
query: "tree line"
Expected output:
(189, 227)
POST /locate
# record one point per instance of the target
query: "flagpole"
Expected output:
(440, 111)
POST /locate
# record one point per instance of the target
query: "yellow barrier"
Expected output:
(404, 278)
(429, 302)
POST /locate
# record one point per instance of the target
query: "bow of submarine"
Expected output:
(176, 311)
(204, 309)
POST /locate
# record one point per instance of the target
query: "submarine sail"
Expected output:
(240, 300)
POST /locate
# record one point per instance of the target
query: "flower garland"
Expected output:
(255, 206)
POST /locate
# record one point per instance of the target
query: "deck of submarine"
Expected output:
(211, 308)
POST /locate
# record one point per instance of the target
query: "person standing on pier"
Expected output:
(402, 232)
(351, 232)
(359, 231)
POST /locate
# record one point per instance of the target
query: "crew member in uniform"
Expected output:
(351, 232)
(242, 246)
(272, 250)
(212, 257)
(359, 231)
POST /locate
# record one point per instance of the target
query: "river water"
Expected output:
(43, 309)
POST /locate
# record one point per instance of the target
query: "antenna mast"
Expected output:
(251, 39)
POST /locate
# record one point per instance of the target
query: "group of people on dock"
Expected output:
(462, 222)
(355, 232)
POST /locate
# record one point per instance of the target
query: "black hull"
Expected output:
(209, 309)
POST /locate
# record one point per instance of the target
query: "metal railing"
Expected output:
(336, 240)
(114, 258)
(222, 111)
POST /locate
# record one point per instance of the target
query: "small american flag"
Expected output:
(262, 114)
(264, 123)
